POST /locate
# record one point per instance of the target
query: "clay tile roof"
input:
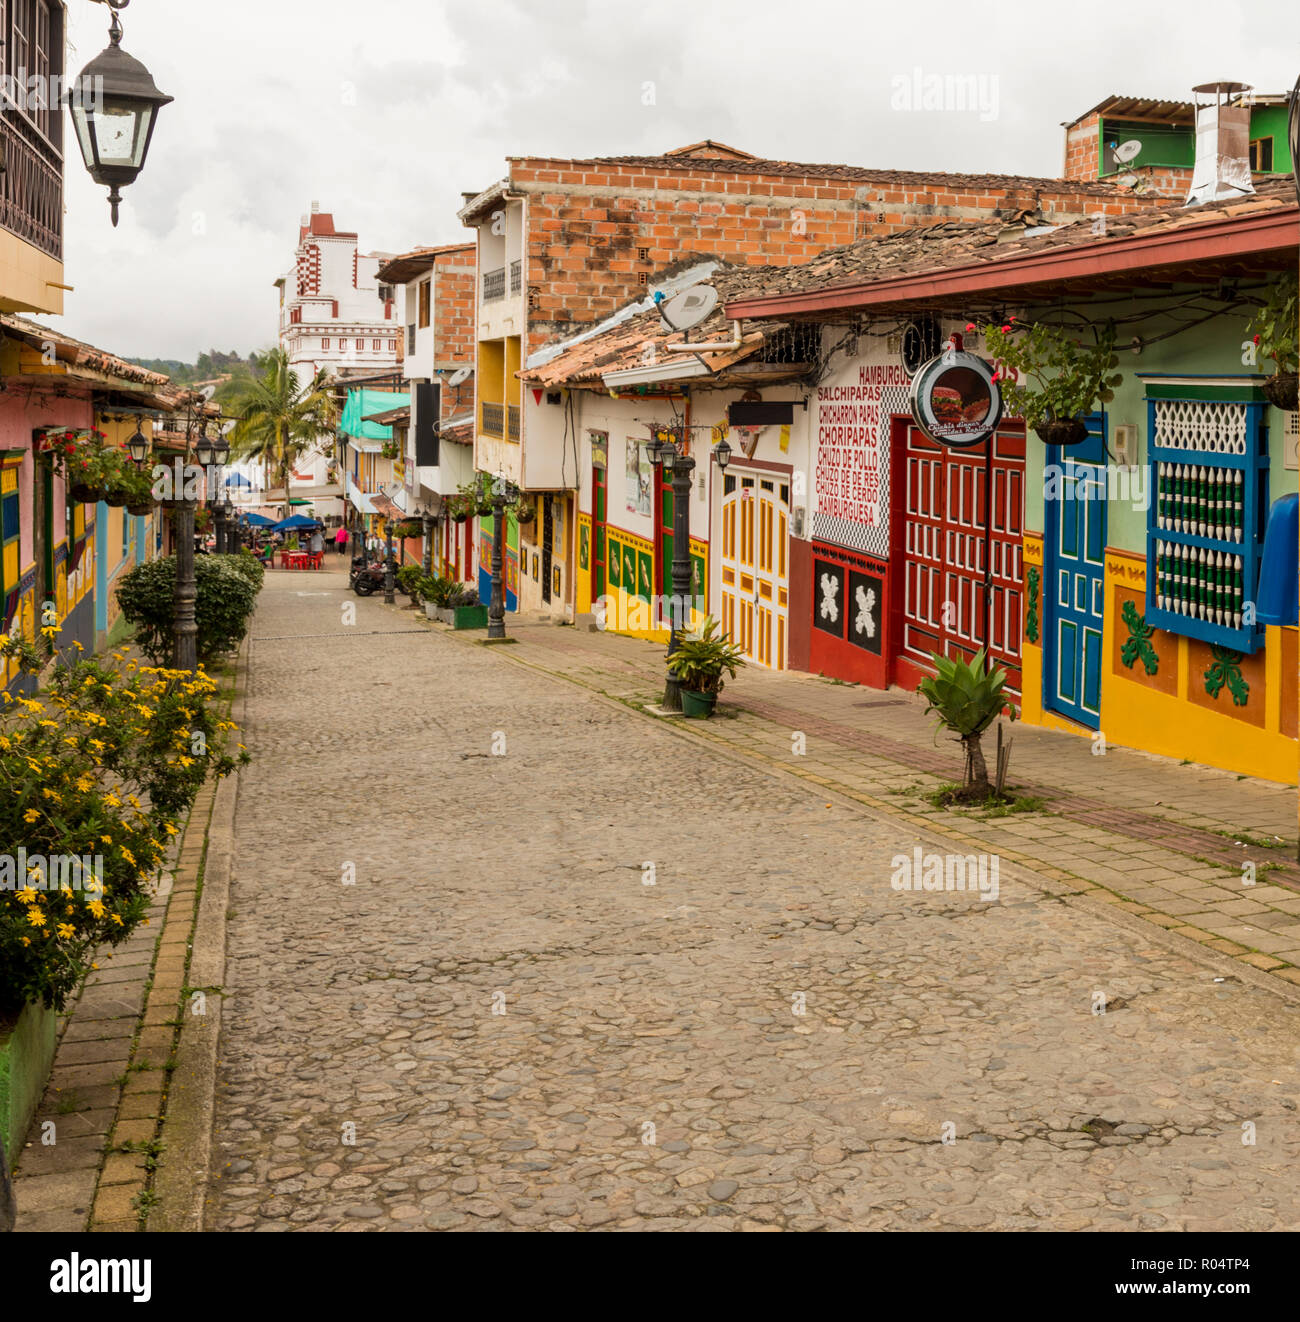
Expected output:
(459, 429)
(402, 269)
(388, 417)
(713, 151)
(622, 346)
(965, 183)
(76, 353)
(923, 249)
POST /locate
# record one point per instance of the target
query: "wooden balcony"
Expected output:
(31, 186)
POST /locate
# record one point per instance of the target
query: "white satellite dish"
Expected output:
(459, 376)
(688, 308)
(207, 392)
(1128, 151)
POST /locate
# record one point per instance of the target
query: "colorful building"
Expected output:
(1063, 560)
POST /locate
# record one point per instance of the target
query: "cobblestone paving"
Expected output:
(666, 1012)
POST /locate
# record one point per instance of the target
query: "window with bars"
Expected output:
(1208, 507)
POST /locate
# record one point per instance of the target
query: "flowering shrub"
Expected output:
(226, 597)
(1046, 375)
(99, 767)
(1273, 327)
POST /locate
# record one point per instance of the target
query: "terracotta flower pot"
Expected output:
(1281, 390)
(1062, 431)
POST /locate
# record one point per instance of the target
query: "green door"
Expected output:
(598, 533)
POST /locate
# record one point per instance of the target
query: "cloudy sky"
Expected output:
(386, 111)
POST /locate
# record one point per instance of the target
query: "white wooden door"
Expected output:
(756, 566)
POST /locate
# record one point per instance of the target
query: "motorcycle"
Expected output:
(366, 577)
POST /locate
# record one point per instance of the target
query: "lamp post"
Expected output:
(503, 492)
(115, 104)
(682, 466)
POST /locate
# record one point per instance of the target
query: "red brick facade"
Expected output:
(455, 281)
(599, 231)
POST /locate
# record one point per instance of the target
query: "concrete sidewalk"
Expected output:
(1162, 840)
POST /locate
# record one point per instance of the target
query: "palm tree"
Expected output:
(281, 420)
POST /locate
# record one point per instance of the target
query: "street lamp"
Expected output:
(667, 455)
(722, 454)
(503, 493)
(115, 105)
(138, 446)
(204, 447)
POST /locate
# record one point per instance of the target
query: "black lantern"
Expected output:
(114, 106)
(138, 446)
(659, 450)
(722, 453)
(220, 450)
(204, 449)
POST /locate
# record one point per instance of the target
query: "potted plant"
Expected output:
(137, 485)
(408, 579)
(1273, 332)
(966, 697)
(117, 470)
(524, 510)
(699, 662)
(1050, 379)
(464, 610)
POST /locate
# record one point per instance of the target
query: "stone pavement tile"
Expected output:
(68, 1189)
(141, 1106)
(116, 1050)
(82, 1077)
(133, 1131)
(79, 1124)
(115, 1205)
(67, 1154)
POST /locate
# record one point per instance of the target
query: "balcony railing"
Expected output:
(492, 419)
(494, 285)
(31, 186)
(512, 419)
(516, 276)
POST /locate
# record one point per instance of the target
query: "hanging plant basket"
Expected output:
(86, 495)
(1062, 431)
(461, 518)
(139, 507)
(1281, 390)
(525, 514)
(114, 498)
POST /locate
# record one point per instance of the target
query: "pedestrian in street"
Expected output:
(341, 540)
(317, 543)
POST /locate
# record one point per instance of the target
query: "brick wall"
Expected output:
(1083, 149)
(455, 287)
(599, 231)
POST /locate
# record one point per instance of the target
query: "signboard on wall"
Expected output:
(852, 459)
(955, 399)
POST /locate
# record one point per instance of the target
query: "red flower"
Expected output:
(1006, 330)
(997, 376)
(970, 325)
(1256, 339)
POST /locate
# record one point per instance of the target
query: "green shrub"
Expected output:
(438, 591)
(408, 580)
(226, 597)
(100, 766)
(246, 563)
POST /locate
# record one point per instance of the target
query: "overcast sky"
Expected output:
(386, 111)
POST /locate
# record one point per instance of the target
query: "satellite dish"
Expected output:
(207, 392)
(1128, 151)
(459, 376)
(689, 308)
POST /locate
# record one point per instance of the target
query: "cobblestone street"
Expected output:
(452, 1000)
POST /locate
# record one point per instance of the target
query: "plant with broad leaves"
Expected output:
(967, 697)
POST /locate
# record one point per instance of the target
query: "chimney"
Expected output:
(1222, 168)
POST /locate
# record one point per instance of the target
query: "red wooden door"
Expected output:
(944, 541)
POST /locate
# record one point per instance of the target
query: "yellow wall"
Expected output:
(1171, 712)
(30, 280)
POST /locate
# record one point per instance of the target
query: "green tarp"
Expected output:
(361, 403)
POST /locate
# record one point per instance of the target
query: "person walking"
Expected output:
(341, 540)
(317, 543)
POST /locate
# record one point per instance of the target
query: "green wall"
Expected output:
(1214, 347)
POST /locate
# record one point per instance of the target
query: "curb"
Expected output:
(181, 1182)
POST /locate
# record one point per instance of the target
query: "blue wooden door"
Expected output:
(1074, 576)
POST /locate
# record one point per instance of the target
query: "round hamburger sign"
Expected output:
(955, 399)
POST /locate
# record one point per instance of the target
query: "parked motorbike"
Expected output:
(366, 577)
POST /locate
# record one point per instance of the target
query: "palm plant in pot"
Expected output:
(699, 663)
(967, 697)
(1050, 379)
(1274, 334)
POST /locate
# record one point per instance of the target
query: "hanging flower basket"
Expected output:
(82, 494)
(1282, 390)
(1062, 431)
(524, 512)
(139, 507)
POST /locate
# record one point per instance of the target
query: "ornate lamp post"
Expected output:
(390, 583)
(115, 105)
(668, 454)
(186, 629)
(503, 493)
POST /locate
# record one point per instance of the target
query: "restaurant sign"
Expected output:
(955, 399)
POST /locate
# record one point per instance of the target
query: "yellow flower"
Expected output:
(107, 839)
(52, 794)
(171, 830)
(112, 800)
(128, 855)
(32, 815)
(66, 930)
(117, 919)
(26, 896)
(85, 783)
(36, 917)
(96, 907)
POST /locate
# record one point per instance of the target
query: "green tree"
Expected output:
(281, 419)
